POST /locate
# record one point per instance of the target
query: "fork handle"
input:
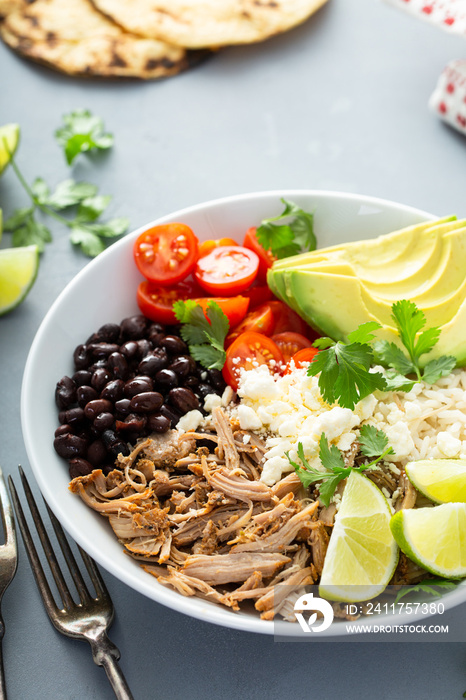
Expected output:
(2, 674)
(106, 654)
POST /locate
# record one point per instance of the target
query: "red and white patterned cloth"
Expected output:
(448, 14)
(448, 100)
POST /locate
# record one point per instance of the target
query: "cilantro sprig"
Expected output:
(428, 586)
(373, 443)
(410, 322)
(204, 333)
(80, 201)
(82, 132)
(284, 240)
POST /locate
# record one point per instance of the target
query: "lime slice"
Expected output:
(362, 554)
(9, 139)
(18, 270)
(441, 480)
(435, 538)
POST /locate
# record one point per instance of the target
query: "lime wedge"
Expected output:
(9, 139)
(441, 480)
(362, 554)
(435, 538)
(18, 270)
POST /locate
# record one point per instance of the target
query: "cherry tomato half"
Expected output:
(156, 302)
(302, 358)
(227, 270)
(248, 350)
(234, 308)
(288, 320)
(207, 247)
(260, 321)
(166, 254)
(258, 295)
(289, 343)
(266, 259)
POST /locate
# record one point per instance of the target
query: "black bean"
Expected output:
(129, 349)
(132, 422)
(155, 328)
(79, 467)
(113, 391)
(100, 378)
(68, 446)
(134, 327)
(85, 394)
(174, 344)
(146, 402)
(183, 365)
(82, 357)
(104, 421)
(113, 444)
(65, 392)
(118, 365)
(158, 423)
(102, 350)
(96, 453)
(82, 376)
(109, 333)
(156, 334)
(191, 382)
(204, 390)
(138, 385)
(166, 379)
(63, 429)
(123, 407)
(216, 380)
(171, 414)
(73, 416)
(93, 408)
(153, 362)
(183, 400)
(144, 347)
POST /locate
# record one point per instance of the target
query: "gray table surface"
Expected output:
(339, 103)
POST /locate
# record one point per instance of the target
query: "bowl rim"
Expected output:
(172, 599)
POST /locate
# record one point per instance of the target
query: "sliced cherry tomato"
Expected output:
(260, 320)
(288, 320)
(258, 295)
(156, 302)
(227, 270)
(301, 358)
(266, 259)
(207, 247)
(166, 254)
(289, 343)
(234, 308)
(246, 352)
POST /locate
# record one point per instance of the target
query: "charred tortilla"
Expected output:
(208, 23)
(74, 38)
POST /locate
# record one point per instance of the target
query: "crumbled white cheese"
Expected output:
(212, 401)
(248, 418)
(449, 445)
(227, 396)
(190, 421)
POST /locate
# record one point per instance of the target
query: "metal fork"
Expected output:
(92, 616)
(8, 562)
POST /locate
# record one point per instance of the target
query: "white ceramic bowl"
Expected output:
(105, 291)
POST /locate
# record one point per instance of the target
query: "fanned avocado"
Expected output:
(335, 289)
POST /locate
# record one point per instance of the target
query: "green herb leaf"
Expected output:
(398, 382)
(205, 333)
(428, 586)
(82, 132)
(18, 218)
(111, 228)
(409, 320)
(441, 367)
(69, 193)
(330, 456)
(40, 190)
(89, 242)
(391, 355)
(364, 333)
(31, 232)
(373, 442)
(92, 207)
(284, 240)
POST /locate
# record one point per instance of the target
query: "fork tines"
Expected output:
(8, 552)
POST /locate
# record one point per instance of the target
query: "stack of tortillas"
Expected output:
(140, 38)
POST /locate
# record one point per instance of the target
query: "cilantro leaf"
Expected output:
(398, 382)
(82, 132)
(90, 243)
(330, 456)
(111, 228)
(364, 333)
(429, 586)
(409, 320)
(441, 367)
(373, 442)
(68, 193)
(27, 230)
(18, 218)
(391, 355)
(284, 240)
(91, 208)
(204, 333)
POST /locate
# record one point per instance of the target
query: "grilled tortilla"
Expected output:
(208, 23)
(74, 38)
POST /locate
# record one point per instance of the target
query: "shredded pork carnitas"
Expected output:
(199, 519)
